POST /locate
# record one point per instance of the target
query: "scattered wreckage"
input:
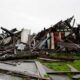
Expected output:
(61, 37)
(14, 44)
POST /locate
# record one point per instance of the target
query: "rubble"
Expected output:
(61, 37)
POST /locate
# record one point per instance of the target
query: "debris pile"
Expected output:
(18, 45)
(15, 44)
(61, 37)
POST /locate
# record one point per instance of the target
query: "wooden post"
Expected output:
(60, 35)
(52, 41)
(48, 41)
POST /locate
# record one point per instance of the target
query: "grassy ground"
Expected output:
(62, 66)
(65, 55)
(76, 64)
(57, 66)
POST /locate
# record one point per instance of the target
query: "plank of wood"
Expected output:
(41, 70)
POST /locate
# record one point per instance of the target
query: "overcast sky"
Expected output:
(36, 14)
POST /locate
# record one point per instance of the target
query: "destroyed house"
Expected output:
(49, 38)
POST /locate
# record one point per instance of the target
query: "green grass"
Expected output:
(57, 66)
(65, 55)
(76, 64)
